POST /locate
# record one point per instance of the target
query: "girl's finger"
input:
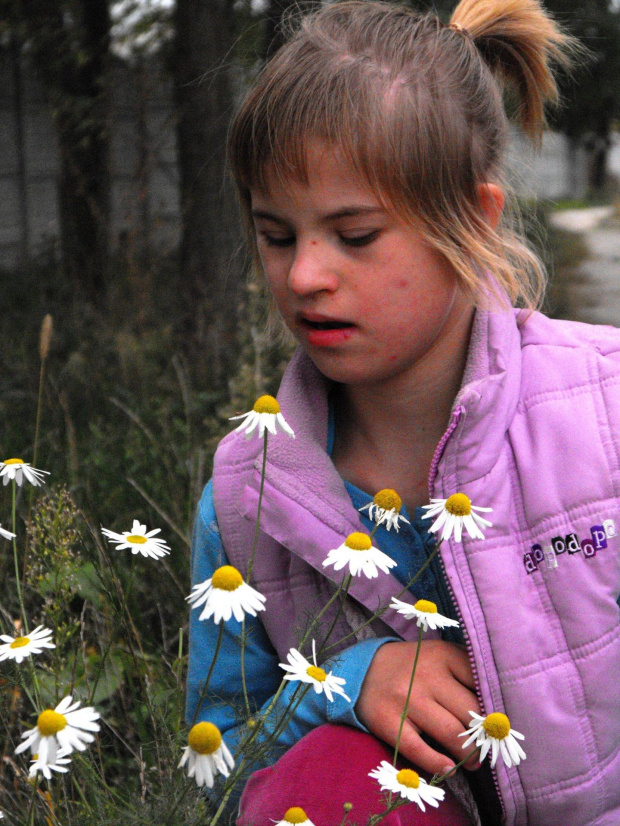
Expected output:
(460, 666)
(443, 727)
(456, 699)
(423, 756)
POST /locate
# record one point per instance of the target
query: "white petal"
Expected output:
(285, 425)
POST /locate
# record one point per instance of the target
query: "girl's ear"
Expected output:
(491, 198)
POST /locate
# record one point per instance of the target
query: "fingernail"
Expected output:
(446, 769)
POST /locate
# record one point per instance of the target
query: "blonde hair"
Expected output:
(415, 107)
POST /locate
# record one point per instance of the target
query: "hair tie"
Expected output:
(458, 28)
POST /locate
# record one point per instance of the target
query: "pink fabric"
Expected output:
(327, 768)
(537, 438)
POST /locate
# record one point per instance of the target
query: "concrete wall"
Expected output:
(143, 160)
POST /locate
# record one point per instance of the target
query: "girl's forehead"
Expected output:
(326, 175)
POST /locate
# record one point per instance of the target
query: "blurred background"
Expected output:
(116, 217)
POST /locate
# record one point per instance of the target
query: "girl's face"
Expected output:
(362, 291)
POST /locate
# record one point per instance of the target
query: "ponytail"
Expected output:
(521, 45)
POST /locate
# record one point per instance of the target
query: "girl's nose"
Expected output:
(311, 270)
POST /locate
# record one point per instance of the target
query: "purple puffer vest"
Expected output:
(534, 434)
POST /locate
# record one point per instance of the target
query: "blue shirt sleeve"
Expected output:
(223, 702)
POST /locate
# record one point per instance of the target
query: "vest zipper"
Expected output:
(456, 417)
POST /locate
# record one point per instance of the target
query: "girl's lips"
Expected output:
(321, 332)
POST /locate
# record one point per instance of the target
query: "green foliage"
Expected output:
(126, 434)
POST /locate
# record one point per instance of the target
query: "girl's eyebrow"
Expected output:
(343, 212)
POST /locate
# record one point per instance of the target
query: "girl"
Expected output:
(368, 158)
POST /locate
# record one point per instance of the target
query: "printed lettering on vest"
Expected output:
(587, 547)
(550, 557)
(571, 543)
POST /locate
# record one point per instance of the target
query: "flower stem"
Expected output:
(403, 716)
(178, 802)
(250, 566)
(384, 608)
(400, 801)
(437, 780)
(203, 693)
(15, 559)
(34, 459)
(243, 682)
(222, 805)
(260, 505)
(35, 790)
(344, 592)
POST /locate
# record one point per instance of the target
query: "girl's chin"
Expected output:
(349, 370)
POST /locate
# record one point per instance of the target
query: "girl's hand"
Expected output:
(442, 696)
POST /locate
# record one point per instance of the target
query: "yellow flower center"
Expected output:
(426, 605)
(295, 815)
(358, 541)
(497, 725)
(19, 642)
(204, 738)
(458, 504)
(50, 722)
(266, 404)
(227, 578)
(136, 539)
(316, 673)
(388, 499)
(13, 462)
(408, 778)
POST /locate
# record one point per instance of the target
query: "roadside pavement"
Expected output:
(592, 287)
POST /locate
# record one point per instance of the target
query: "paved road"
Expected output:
(593, 287)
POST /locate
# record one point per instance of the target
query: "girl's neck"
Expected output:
(386, 433)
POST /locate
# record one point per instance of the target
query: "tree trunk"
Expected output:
(69, 44)
(210, 263)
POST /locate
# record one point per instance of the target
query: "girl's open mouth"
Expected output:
(324, 333)
(326, 325)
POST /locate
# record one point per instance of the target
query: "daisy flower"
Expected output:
(424, 612)
(47, 768)
(265, 415)
(18, 470)
(18, 648)
(207, 754)
(300, 669)
(224, 594)
(407, 784)
(138, 540)
(61, 730)
(455, 513)
(358, 553)
(385, 509)
(493, 733)
(295, 815)
(6, 534)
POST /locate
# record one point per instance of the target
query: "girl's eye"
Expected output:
(359, 240)
(347, 240)
(278, 241)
